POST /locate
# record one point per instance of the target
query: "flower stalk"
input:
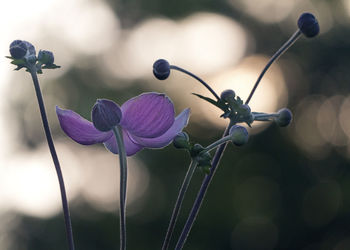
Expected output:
(178, 203)
(123, 184)
(68, 224)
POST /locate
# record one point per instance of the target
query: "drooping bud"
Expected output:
(105, 115)
(46, 57)
(227, 95)
(308, 25)
(181, 140)
(284, 118)
(161, 69)
(239, 135)
(18, 49)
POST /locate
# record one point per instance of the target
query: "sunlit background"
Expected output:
(289, 188)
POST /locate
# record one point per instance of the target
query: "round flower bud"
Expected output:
(239, 135)
(204, 159)
(284, 118)
(105, 115)
(245, 109)
(196, 149)
(161, 69)
(181, 140)
(227, 95)
(46, 57)
(18, 49)
(308, 25)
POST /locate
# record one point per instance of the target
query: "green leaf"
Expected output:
(19, 62)
(51, 66)
(220, 104)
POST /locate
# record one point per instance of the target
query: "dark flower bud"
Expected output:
(245, 109)
(227, 95)
(46, 57)
(105, 115)
(239, 135)
(161, 69)
(204, 159)
(308, 25)
(181, 140)
(18, 49)
(284, 118)
(196, 149)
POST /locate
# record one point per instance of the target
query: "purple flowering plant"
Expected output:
(148, 121)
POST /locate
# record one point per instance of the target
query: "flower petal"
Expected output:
(80, 129)
(131, 148)
(163, 140)
(148, 115)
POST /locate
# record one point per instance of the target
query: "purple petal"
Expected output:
(163, 140)
(80, 129)
(131, 148)
(148, 115)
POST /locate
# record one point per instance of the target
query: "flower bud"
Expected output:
(181, 140)
(239, 135)
(284, 118)
(105, 115)
(161, 69)
(244, 109)
(196, 149)
(227, 95)
(46, 57)
(204, 159)
(18, 49)
(308, 25)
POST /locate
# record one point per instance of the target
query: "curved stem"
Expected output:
(197, 78)
(123, 184)
(178, 203)
(201, 193)
(67, 220)
(279, 52)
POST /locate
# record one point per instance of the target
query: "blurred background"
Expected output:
(288, 188)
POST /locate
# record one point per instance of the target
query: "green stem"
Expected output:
(178, 203)
(217, 143)
(123, 184)
(67, 220)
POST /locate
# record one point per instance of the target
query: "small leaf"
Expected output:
(51, 66)
(220, 104)
(9, 57)
(18, 62)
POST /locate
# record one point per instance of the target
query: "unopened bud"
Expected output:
(105, 114)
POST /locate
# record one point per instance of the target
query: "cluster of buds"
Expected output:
(23, 55)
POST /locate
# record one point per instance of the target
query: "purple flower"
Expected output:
(147, 121)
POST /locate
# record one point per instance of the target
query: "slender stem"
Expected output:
(178, 203)
(205, 184)
(197, 78)
(201, 194)
(264, 116)
(279, 52)
(217, 143)
(67, 219)
(123, 184)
